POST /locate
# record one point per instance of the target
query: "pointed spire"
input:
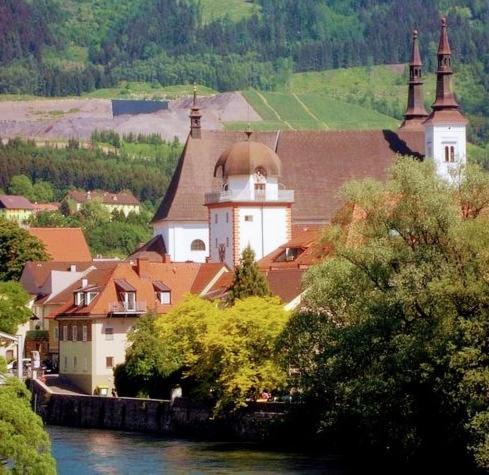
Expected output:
(444, 95)
(445, 108)
(444, 45)
(415, 112)
(195, 117)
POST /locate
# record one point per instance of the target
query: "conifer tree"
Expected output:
(249, 281)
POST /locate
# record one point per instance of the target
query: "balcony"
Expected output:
(283, 196)
(123, 308)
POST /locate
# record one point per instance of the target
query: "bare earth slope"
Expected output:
(62, 119)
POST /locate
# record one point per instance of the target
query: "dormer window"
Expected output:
(290, 254)
(127, 294)
(162, 292)
(79, 299)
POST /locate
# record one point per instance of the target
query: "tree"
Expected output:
(17, 247)
(13, 307)
(225, 355)
(21, 185)
(248, 279)
(92, 213)
(24, 444)
(42, 192)
(392, 343)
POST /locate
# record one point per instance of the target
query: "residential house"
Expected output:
(105, 304)
(16, 208)
(124, 201)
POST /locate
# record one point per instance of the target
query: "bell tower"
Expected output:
(415, 113)
(445, 128)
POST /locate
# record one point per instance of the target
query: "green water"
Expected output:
(88, 451)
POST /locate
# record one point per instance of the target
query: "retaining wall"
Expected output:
(259, 421)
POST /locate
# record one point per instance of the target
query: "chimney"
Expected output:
(84, 283)
(166, 258)
(143, 267)
(73, 268)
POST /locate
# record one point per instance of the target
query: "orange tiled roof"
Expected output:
(145, 277)
(63, 244)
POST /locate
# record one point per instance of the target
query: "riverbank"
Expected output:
(181, 417)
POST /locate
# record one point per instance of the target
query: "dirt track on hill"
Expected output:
(62, 119)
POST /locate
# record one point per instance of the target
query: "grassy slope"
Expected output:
(235, 9)
(311, 110)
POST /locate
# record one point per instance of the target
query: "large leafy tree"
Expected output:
(13, 306)
(24, 444)
(393, 340)
(17, 247)
(228, 354)
(248, 279)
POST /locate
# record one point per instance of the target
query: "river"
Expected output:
(90, 452)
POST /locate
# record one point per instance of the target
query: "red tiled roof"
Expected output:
(154, 250)
(63, 244)
(314, 163)
(285, 283)
(122, 198)
(180, 278)
(15, 202)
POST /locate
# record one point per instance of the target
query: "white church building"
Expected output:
(231, 190)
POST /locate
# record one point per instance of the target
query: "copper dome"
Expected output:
(244, 158)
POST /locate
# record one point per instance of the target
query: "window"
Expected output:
(215, 218)
(165, 297)
(227, 242)
(80, 299)
(90, 296)
(227, 217)
(75, 362)
(109, 334)
(216, 243)
(65, 332)
(66, 363)
(248, 218)
(130, 300)
(197, 245)
(84, 333)
(109, 361)
(74, 333)
(450, 153)
(56, 333)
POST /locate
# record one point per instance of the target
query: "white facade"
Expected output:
(251, 211)
(263, 228)
(446, 145)
(182, 237)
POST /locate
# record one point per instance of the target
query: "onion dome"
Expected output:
(245, 158)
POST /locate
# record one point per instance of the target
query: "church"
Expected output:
(231, 190)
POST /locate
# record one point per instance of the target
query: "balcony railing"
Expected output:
(283, 196)
(122, 308)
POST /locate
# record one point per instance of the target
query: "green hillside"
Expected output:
(235, 10)
(310, 111)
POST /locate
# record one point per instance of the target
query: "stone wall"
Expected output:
(260, 421)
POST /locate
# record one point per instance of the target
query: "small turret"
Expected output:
(195, 118)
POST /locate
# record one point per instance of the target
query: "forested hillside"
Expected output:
(65, 47)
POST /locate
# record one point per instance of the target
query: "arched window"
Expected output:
(197, 245)
(447, 153)
(452, 154)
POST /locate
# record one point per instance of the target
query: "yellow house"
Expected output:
(124, 201)
(16, 208)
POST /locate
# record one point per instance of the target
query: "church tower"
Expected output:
(250, 209)
(445, 128)
(195, 118)
(415, 113)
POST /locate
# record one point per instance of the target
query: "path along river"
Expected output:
(90, 452)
